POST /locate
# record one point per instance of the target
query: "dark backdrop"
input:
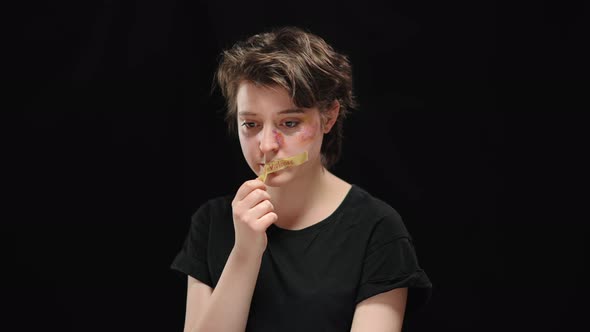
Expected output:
(470, 125)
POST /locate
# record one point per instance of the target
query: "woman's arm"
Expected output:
(197, 295)
(229, 304)
(381, 313)
(227, 309)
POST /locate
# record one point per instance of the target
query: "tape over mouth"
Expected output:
(280, 164)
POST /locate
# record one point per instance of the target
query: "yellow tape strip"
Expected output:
(279, 164)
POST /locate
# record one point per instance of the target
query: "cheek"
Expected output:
(247, 146)
(308, 132)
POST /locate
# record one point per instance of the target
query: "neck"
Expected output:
(293, 199)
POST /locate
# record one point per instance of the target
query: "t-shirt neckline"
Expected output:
(278, 230)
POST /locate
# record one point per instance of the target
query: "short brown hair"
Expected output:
(304, 64)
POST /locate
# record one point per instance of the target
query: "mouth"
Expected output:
(280, 164)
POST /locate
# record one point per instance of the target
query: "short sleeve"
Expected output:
(192, 258)
(390, 262)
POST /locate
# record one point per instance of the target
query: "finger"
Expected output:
(265, 221)
(254, 198)
(260, 210)
(248, 187)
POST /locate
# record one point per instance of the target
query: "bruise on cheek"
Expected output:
(308, 132)
(279, 138)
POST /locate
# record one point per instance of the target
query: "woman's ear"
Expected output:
(331, 115)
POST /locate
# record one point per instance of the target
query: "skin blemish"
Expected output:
(279, 138)
(308, 132)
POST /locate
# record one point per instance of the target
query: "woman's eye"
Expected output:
(291, 124)
(249, 124)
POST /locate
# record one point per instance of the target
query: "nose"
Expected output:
(268, 141)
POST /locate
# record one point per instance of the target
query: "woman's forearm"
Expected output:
(228, 307)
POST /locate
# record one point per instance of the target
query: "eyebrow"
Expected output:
(287, 111)
(292, 110)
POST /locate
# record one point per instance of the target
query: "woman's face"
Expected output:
(271, 127)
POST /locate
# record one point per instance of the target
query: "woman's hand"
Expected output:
(252, 213)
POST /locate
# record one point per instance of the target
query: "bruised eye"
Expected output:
(249, 125)
(291, 124)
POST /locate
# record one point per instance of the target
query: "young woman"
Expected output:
(304, 250)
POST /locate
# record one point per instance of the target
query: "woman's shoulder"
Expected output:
(373, 212)
(213, 207)
(369, 204)
(223, 201)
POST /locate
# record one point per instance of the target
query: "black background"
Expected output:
(470, 124)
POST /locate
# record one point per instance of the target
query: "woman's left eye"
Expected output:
(290, 124)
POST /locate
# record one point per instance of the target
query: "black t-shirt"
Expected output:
(311, 279)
